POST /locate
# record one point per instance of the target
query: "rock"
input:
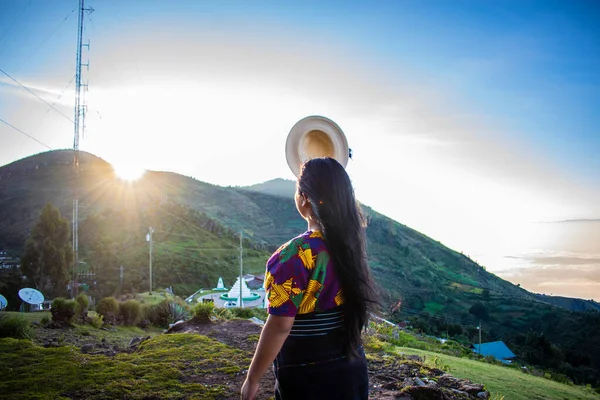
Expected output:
(413, 357)
(390, 385)
(471, 388)
(425, 393)
(136, 341)
(483, 395)
(107, 353)
(419, 382)
(87, 348)
(459, 394)
(449, 381)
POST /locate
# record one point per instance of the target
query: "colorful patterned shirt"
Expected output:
(300, 278)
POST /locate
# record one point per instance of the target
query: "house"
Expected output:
(254, 282)
(498, 350)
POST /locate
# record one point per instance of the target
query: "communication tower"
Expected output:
(80, 109)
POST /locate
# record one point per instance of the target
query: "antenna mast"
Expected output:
(79, 120)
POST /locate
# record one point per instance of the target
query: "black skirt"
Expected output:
(312, 365)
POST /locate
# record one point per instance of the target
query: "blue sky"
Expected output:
(475, 117)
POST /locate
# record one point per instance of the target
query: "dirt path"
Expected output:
(389, 377)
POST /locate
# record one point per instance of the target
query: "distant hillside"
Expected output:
(442, 291)
(276, 187)
(569, 303)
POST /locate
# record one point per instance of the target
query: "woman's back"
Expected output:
(301, 278)
(319, 290)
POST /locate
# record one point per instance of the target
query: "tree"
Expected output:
(486, 294)
(479, 310)
(48, 252)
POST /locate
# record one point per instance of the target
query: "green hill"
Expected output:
(442, 292)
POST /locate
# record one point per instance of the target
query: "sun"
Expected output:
(128, 171)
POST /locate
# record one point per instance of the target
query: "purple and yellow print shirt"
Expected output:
(300, 278)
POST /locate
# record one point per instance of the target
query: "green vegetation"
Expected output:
(432, 307)
(442, 292)
(48, 252)
(158, 367)
(82, 303)
(96, 320)
(13, 325)
(108, 307)
(203, 311)
(130, 312)
(170, 311)
(246, 313)
(153, 298)
(63, 310)
(185, 365)
(502, 381)
(31, 317)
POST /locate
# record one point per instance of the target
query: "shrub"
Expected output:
(242, 312)
(223, 313)
(96, 321)
(170, 311)
(62, 310)
(45, 320)
(14, 326)
(203, 311)
(146, 314)
(130, 311)
(108, 307)
(82, 304)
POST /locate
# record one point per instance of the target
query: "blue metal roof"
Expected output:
(496, 349)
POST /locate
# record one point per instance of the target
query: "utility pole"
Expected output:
(121, 280)
(79, 125)
(149, 239)
(241, 268)
(479, 329)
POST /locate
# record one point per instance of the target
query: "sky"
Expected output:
(475, 122)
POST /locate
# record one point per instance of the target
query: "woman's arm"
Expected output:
(274, 333)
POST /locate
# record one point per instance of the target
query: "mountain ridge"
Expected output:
(439, 290)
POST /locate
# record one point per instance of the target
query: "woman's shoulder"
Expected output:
(305, 241)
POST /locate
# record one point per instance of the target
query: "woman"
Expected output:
(320, 291)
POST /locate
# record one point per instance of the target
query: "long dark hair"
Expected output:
(328, 188)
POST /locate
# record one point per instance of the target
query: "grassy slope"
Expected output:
(163, 364)
(504, 381)
(407, 264)
(158, 368)
(184, 366)
(120, 335)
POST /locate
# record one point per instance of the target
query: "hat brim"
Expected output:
(293, 150)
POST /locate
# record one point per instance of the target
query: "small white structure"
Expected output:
(234, 293)
(220, 285)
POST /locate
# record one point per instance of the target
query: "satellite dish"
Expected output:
(3, 302)
(31, 296)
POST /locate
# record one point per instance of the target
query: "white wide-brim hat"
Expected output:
(312, 137)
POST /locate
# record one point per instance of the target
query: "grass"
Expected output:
(432, 307)
(501, 381)
(158, 368)
(31, 316)
(120, 335)
(154, 298)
